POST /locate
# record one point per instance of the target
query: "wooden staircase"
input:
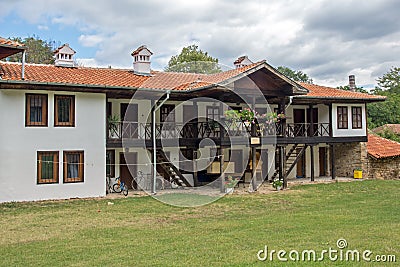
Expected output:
(292, 157)
(168, 170)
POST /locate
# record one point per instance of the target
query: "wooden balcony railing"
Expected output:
(212, 129)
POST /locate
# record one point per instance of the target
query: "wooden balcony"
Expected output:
(284, 132)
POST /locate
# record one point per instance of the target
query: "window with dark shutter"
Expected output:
(73, 166)
(342, 118)
(64, 110)
(36, 110)
(47, 167)
(356, 117)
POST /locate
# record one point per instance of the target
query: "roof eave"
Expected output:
(347, 99)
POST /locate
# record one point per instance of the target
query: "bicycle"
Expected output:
(138, 181)
(120, 187)
(145, 184)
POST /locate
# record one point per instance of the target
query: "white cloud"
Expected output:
(326, 39)
(43, 28)
(90, 40)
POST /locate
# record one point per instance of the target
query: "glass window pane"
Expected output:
(47, 166)
(64, 109)
(73, 165)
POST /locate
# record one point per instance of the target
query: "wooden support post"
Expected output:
(153, 119)
(333, 168)
(221, 168)
(310, 108)
(280, 170)
(264, 167)
(330, 121)
(283, 164)
(282, 109)
(195, 176)
(196, 113)
(312, 162)
(253, 168)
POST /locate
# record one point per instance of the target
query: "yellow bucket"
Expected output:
(357, 174)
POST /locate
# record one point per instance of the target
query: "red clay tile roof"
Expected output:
(157, 80)
(379, 147)
(10, 43)
(239, 60)
(8, 47)
(116, 77)
(317, 91)
(140, 48)
(187, 81)
(395, 128)
(58, 49)
(79, 75)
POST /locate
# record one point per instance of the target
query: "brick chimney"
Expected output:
(141, 60)
(352, 83)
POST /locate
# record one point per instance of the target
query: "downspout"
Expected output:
(156, 107)
(23, 66)
(290, 102)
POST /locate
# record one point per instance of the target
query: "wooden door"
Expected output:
(237, 158)
(322, 161)
(315, 121)
(299, 118)
(300, 167)
(189, 119)
(129, 115)
(128, 167)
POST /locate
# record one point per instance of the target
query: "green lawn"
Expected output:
(144, 232)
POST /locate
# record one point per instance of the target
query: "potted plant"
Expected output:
(247, 116)
(277, 184)
(230, 183)
(232, 115)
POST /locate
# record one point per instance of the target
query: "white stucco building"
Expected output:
(65, 128)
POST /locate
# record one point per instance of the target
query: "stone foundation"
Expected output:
(385, 168)
(351, 156)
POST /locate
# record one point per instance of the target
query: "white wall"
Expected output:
(19, 146)
(348, 132)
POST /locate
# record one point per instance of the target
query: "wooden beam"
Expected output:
(312, 162)
(221, 168)
(254, 168)
(333, 168)
(283, 164)
(195, 176)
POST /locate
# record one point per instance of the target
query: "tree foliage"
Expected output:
(389, 134)
(390, 81)
(296, 75)
(193, 60)
(358, 89)
(38, 51)
(386, 112)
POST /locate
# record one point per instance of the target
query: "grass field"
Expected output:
(144, 232)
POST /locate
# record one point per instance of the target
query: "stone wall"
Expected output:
(350, 156)
(385, 168)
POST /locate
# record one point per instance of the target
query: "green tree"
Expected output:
(386, 112)
(38, 51)
(296, 75)
(388, 134)
(390, 81)
(358, 89)
(193, 60)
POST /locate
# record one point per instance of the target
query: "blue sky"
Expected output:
(328, 40)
